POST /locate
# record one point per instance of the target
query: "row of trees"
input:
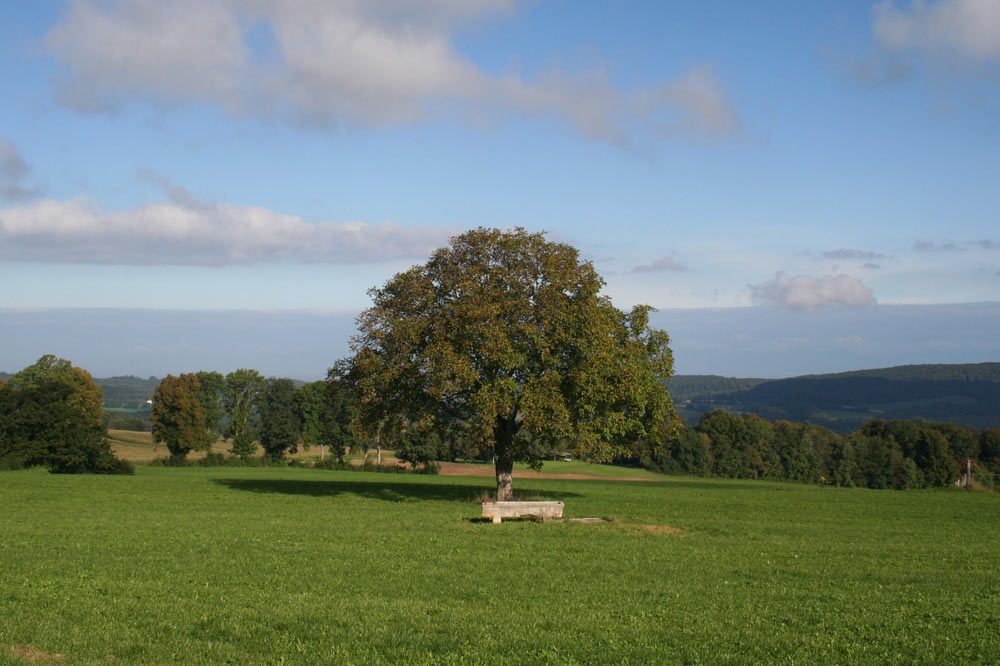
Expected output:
(51, 414)
(192, 411)
(882, 454)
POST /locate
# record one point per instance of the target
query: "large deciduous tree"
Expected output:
(505, 335)
(178, 418)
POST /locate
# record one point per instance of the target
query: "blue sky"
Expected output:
(812, 165)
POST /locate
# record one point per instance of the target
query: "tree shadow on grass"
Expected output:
(725, 484)
(385, 491)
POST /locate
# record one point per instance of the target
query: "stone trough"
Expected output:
(544, 510)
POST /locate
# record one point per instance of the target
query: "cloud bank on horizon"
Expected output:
(304, 149)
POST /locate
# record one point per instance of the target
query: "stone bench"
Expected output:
(544, 510)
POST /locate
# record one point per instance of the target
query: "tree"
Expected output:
(327, 410)
(507, 334)
(725, 431)
(933, 459)
(212, 386)
(279, 420)
(419, 448)
(53, 416)
(989, 448)
(178, 418)
(242, 394)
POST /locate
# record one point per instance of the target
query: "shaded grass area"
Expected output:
(212, 566)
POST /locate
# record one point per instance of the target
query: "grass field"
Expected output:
(295, 566)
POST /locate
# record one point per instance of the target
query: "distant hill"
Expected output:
(686, 387)
(966, 394)
(127, 392)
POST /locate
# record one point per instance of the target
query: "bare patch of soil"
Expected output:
(33, 654)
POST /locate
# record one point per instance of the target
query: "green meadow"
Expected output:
(297, 566)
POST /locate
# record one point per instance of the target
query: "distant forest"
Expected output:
(964, 394)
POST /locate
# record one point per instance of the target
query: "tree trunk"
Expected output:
(503, 448)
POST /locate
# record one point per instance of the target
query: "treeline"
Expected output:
(882, 454)
(51, 415)
(192, 411)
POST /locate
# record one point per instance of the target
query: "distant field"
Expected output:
(293, 566)
(138, 447)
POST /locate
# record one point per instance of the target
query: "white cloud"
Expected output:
(665, 264)
(347, 61)
(804, 292)
(702, 106)
(78, 231)
(967, 29)
(14, 171)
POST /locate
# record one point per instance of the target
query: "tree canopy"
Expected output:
(241, 398)
(279, 418)
(51, 414)
(178, 418)
(327, 411)
(504, 335)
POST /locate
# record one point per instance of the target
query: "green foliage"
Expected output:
(122, 422)
(127, 392)
(242, 396)
(801, 448)
(357, 568)
(177, 417)
(694, 387)
(881, 454)
(279, 419)
(211, 388)
(505, 336)
(933, 459)
(418, 448)
(328, 411)
(50, 414)
(989, 443)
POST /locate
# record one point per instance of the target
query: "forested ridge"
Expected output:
(686, 387)
(965, 394)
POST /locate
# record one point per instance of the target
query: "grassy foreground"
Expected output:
(294, 566)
